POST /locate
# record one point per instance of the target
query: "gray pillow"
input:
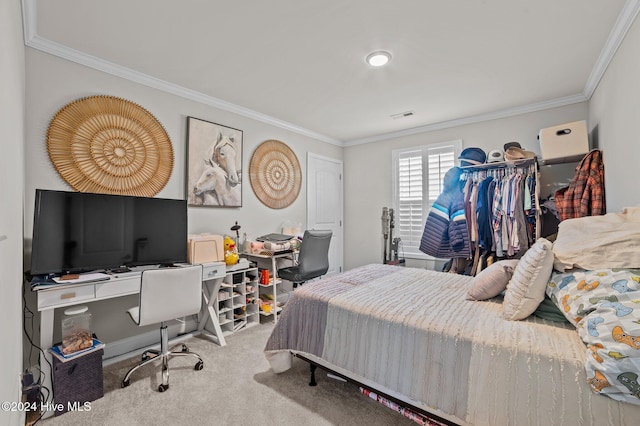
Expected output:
(492, 281)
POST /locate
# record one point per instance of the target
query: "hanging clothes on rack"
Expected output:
(485, 212)
(585, 194)
(485, 228)
(446, 234)
(485, 198)
(501, 209)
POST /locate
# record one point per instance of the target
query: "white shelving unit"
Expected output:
(270, 291)
(238, 303)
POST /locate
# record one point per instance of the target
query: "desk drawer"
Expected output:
(118, 287)
(213, 270)
(65, 296)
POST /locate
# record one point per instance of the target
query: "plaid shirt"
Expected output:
(585, 194)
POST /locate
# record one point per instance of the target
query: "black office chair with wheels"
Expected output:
(313, 259)
(167, 294)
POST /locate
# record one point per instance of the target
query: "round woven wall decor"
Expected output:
(275, 175)
(110, 145)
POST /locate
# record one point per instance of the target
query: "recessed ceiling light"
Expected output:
(379, 58)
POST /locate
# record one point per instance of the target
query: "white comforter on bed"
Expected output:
(411, 333)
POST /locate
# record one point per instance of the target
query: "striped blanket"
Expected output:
(411, 334)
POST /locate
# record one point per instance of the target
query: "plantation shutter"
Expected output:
(440, 160)
(419, 176)
(410, 213)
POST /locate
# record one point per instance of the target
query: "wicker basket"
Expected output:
(275, 175)
(110, 145)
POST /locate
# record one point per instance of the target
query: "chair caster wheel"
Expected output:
(125, 383)
(163, 388)
(199, 366)
(185, 348)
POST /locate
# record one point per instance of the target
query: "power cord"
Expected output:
(29, 315)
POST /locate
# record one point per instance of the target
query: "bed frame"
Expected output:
(312, 382)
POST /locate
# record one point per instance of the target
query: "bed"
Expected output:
(411, 334)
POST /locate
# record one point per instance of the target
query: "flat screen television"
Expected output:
(78, 232)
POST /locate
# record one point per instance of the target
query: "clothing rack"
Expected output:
(527, 183)
(502, 165)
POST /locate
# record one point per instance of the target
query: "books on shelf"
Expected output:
(276, 238)
(57, 351)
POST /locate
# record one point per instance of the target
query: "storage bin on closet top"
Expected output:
(564, 142)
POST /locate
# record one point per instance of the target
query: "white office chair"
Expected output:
(167, 294)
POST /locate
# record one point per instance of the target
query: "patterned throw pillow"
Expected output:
(604, 305)
(492, 281)
(526, 288)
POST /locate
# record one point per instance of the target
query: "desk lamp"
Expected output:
(236, 228)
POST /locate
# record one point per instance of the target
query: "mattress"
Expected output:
(410, 333)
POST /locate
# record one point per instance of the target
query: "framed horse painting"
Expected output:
(214, 164)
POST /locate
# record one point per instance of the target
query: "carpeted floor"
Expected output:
(236, 387)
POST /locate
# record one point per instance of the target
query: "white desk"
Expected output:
(63, 295)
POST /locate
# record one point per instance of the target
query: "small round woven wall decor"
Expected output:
(109, 145)
(275, 175)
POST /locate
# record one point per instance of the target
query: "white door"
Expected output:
(324, 203)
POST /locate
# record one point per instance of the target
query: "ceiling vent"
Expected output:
(402, 115)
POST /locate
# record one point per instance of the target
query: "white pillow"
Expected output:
(492, 281)
(526, 288)
(599, 242)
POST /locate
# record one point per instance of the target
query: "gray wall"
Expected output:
(613, 116)
(365, 197)
(50, 87)
(12, 122)
(53, 82)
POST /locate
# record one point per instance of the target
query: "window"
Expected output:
(418, 173)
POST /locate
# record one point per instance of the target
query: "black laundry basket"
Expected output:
(77, 381)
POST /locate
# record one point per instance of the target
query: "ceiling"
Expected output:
(301, 65)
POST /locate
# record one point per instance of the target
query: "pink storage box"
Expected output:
(205, 249)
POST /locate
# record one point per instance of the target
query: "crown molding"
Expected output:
(29, 20)
(624, 21)
(618, 32)
(99, 64)
(32, 39)
(509, 112)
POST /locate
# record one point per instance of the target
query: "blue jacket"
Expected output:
(446, 234)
